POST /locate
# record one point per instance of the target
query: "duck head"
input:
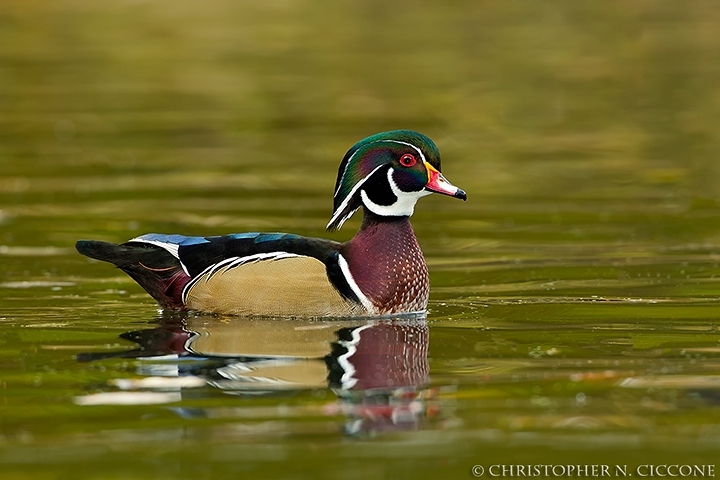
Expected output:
(387, 173)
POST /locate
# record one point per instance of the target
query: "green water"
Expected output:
(574, 302)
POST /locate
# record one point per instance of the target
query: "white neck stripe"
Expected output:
(364, 300)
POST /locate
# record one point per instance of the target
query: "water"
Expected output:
(573, 313)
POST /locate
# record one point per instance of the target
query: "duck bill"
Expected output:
(437, 184)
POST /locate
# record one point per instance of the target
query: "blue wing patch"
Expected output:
(242, 236)
(257, 237)
(179, 240)
(262, 237)
(271, 237)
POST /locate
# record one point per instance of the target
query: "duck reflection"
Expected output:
(377, 368)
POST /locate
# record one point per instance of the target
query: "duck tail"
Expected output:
(152, 267)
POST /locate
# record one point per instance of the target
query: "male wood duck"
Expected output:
(380, 271)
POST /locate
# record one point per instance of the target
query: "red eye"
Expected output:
(407, 160)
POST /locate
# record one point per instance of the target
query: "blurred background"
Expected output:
(574, 295)
(560, 101)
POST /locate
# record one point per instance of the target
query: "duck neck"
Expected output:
(388, 265)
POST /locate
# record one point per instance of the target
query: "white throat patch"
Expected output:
(404, 206)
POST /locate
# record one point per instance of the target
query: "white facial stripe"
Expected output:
(349, 197)
(365, 301)
(345, 171)
(377, 141)
(409, 145)
(404, 206)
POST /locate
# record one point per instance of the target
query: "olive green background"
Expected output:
(586, 134)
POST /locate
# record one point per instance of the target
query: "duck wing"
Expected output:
(225, 273)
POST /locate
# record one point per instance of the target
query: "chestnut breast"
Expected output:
(388, 266)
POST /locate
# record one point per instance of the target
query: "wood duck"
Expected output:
(380, 271)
